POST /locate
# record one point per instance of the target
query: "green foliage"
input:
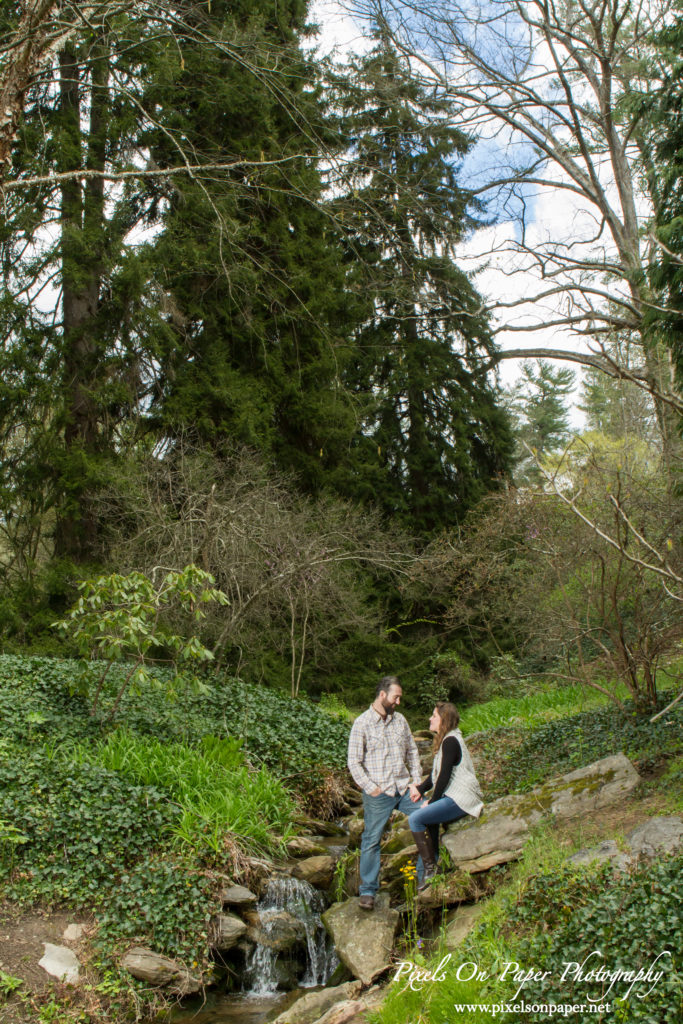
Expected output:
(9, 984)
(82, 822)
(10, 838)
(433, 439)
(127, 823)
(217, 796)
(289, 735)
(662, 112)
(117, 618)
(516, 760)
(167, 900)
(630, 919)
(548, 913)
(264, 316)
(452, 679)
(539, 403)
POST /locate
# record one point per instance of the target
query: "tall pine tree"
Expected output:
(248, 262)
(433, 438)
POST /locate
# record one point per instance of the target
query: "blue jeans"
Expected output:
(429, 818)
(377, 811)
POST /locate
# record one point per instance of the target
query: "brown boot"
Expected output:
(426, 850)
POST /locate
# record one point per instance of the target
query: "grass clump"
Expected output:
(217, 796)
(530, 709)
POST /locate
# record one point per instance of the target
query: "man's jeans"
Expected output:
(377, 810)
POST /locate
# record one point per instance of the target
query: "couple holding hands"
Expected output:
(384, 763)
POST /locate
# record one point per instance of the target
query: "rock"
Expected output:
(460, 924)
(397, 841)
(300, 846)
(455, 887)
(400, 859)
(363, 939)
(473, 867)
(340, 975)
(226, 931)
(659, 836)
(373, 998)
(74, 932)
(325, 828)
(317, 871)
(656, 837)
(503, 828)
(146, 965)
(278, 930)
(342, 1012)
(588, 789)
(309, 1007)
(238, 896)
(60, 962)
(605, 851)
(356, 826)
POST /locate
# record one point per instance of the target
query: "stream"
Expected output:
(266, 991)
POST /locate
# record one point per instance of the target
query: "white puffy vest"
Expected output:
(463, 787)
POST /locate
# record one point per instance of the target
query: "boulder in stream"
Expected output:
(309, 1007)
(226, 931)
(277, 930)
(363, 939)
(317, 871)
(302, 846)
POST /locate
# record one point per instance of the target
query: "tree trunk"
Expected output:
(82, 262)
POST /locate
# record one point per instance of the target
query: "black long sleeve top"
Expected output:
(451, 756)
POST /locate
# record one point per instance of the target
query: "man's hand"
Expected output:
(376, 791)
(415, 794)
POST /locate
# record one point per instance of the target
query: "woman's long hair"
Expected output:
(450, 716)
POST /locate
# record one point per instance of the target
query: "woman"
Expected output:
(456, 789)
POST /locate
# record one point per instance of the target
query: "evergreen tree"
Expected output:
(433, 438)
(618, 408)
(73, 372)
(248, 263)
(538, 403)
(663, 128)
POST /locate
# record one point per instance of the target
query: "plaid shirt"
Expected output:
(382, 753)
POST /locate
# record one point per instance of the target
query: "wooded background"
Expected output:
(237, 332)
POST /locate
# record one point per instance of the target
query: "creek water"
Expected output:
(292, 896)
(260, 999)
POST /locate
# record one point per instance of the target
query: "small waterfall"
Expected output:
(300, 900)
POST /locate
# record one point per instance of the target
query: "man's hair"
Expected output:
(385, 684)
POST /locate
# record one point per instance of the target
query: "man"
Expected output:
(383, 761)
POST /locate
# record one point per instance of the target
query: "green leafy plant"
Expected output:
(10, 838)
(9, 984)
(629, 919)
(344, 865)
(119, 618)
